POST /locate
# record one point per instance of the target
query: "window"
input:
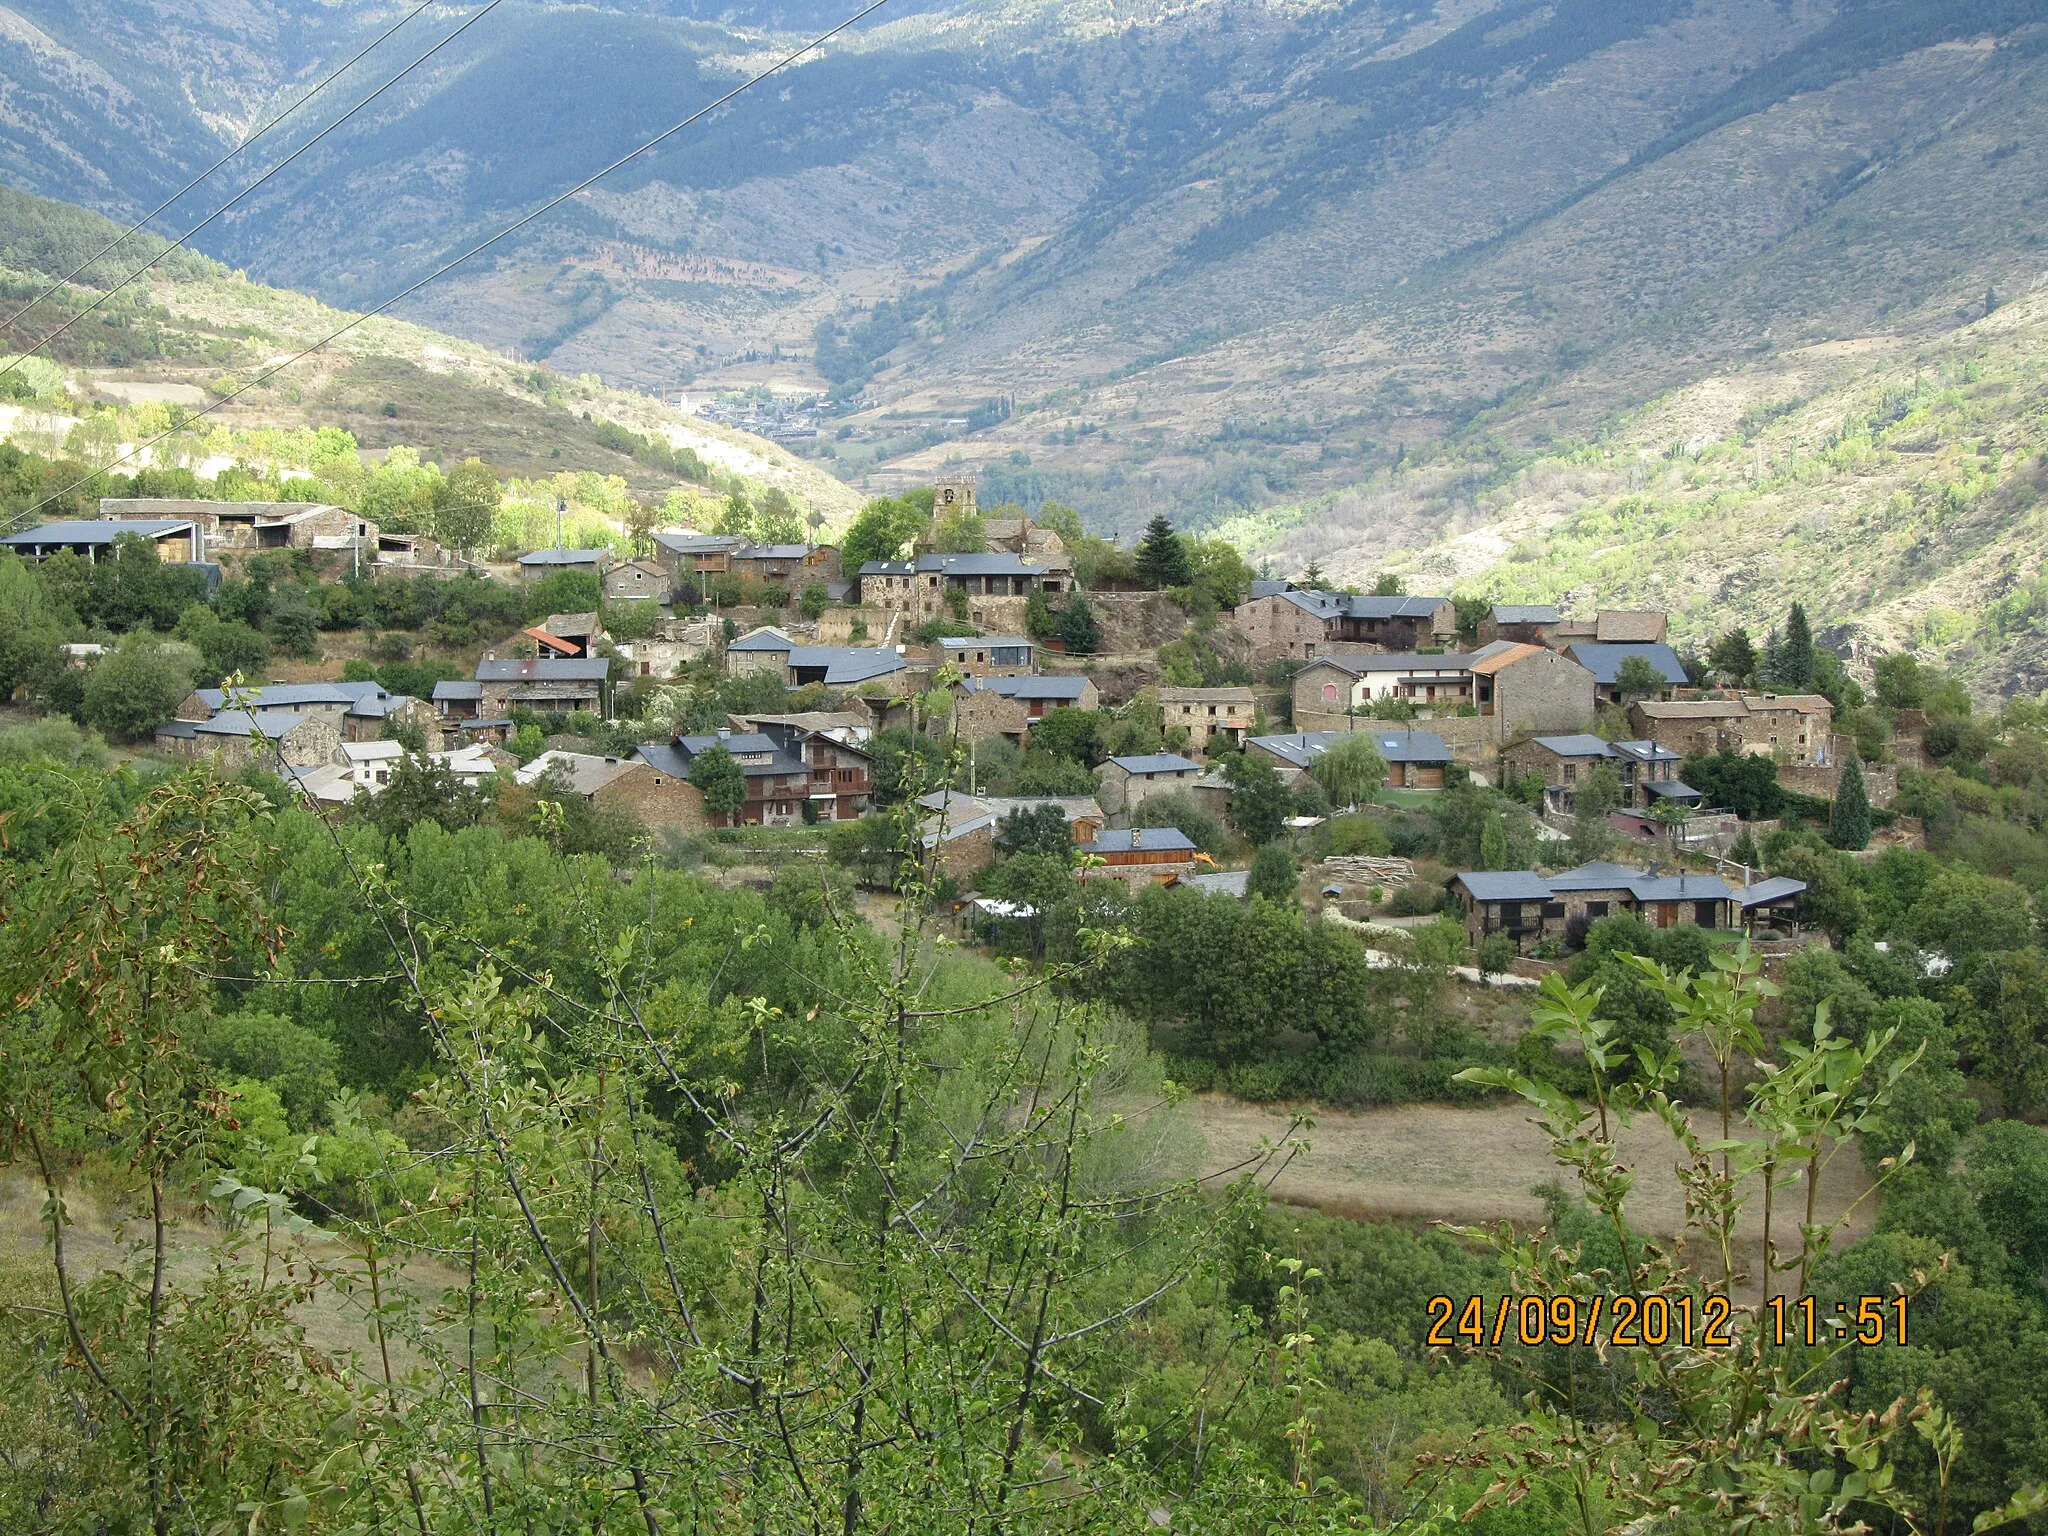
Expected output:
(1597, 909)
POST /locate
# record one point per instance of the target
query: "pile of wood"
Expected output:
(1364, 869)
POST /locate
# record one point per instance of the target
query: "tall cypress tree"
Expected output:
(1791, 657)
(1849, 822)
(1162, 558)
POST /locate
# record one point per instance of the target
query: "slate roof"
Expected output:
(762, 640)
(1629, 624)
(1582, 744)
(1269, 586)
(1229, 695)
(700, 543)
(1506, 885)
(1645, 752)
(1777, 888)
(563, 557)
(587, 774)
(1300, 749)
(1156, 762)
(1526, 613)
(239, 722)
(276, 695)
(772, 552)
(1498, 657)
(1140, 839)
(98, 530)
(1356, 605)
(458, 690)
(1527, 885)
(887, 568)
(1398, 661)
(1411, 747)
(675, 759)
(543, 669)
(969, 642)
(1671, 789)
(1047, 686)
(1604, 661)
(977, 565)
(845, 664)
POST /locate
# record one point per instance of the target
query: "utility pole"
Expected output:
(561, 506)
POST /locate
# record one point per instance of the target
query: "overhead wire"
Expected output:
(177, 244)
(122, 238)
(475, 250)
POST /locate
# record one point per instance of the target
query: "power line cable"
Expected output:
(21, 357)
(123, 237)
(481, 246)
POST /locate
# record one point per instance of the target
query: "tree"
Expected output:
(1350, 771)
(138, 687)
(1259, 801)
(1075, 734)
(1901, 681)
(1744, 852)
(736, 516)
(1040, 829)
(423, 791)
(225, 646)
(1387, 584)
(1077, 629)
(880, 530)
(1496, 955)
(1849, 821)
(1637, 676)
(1493, 843)
(1789, 664)
(721, 781)
(466, 506)
(813, 600)
(779, 521)
(1598, 795)
(1273, 875)
(1312, 579)
(1162, 559)
(1734, 656)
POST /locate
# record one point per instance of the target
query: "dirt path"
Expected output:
(1448, 1163)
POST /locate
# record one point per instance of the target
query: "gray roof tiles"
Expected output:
(543, 669)
(1604, 661)
(1156, 762)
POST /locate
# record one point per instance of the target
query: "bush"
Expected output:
(137, 688)
(1358, 833)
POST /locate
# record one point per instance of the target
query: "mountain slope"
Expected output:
(387, 381)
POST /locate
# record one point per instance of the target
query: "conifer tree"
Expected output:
(1790, 664)
(1745, 851)
(1162, 557)
(1493, 843)
(1849, 824)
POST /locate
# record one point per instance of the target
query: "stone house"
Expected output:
(1292, 755)
(675, 646)
(249, 527)
(1606, 661)
(1793, 728)
(458, 699)
(793, 773)
(960, 829)
(1414, 759)
(795, 565)
(1616, 626)
(235, 738)
(1127, 782)
(936, 586)
(547, 684)
(358, 711)
(1208, 713)
(1041, 694)
(567, 634)
(988, 655)
(1521, 624)
(1523, 688)
(1298, 625)
(693, 556)
(759, 650)
(1141, 856)
(635, 581)
(1344, 683)
(848, 666)
(655, 798)
(1644, 771)
(981, 713)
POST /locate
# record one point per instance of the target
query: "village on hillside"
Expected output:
(1165, 726)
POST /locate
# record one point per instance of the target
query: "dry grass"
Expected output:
(1438, 1162)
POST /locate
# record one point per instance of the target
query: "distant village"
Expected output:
(1522, 698)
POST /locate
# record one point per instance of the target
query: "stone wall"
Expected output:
(657, 799)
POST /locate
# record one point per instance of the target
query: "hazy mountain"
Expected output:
(1220, 255)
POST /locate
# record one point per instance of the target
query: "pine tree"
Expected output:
(1162, 557)
(1849, 823)
(1745, 851)
(1790, 664)
(1493, 843)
